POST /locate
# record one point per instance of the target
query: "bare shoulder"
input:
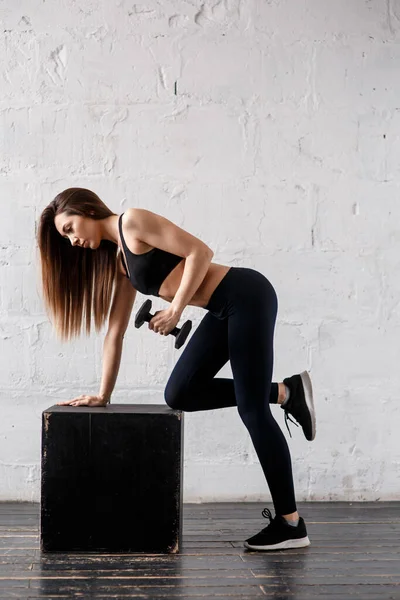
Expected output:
(135, 222)
(157, 231)
(137, 218)
(129, 217)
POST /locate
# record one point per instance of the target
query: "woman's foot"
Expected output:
(279, 535)
(300, 404)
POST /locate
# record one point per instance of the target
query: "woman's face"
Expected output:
(81, 231)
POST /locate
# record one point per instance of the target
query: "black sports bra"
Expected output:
(148, 270)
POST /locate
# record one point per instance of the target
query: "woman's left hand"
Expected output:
(85, 400)
(164, 321)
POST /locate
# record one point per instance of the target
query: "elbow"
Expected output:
(203, 251)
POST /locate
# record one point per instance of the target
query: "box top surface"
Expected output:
(115, 408)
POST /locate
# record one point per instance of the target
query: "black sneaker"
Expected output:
(300, 404)
(279, 535)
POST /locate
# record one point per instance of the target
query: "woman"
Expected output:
(79, 238)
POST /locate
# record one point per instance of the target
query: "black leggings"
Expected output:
(239, 327)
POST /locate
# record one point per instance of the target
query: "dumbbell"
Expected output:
(144, 314)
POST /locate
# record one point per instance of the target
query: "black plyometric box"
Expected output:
(111, 478)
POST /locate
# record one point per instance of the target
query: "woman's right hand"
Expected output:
(85, 400)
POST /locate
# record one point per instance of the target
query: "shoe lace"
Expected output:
(268, 515)
(287, 417)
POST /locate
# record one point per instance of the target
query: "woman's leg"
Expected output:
(192, 385)
(251, 324)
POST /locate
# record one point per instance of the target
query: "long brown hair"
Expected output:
(75, 282)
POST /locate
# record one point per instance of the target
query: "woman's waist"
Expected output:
(242, 286)
(202, 295)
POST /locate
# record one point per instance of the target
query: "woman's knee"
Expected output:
(174, 398)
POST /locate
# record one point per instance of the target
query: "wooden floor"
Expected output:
(354, 553)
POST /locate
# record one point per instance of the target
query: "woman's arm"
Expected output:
(196, 267)
(112, 351)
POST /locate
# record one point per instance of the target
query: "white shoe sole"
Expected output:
(308, 394)
(300, 543)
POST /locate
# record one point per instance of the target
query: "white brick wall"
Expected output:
(271, 130)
